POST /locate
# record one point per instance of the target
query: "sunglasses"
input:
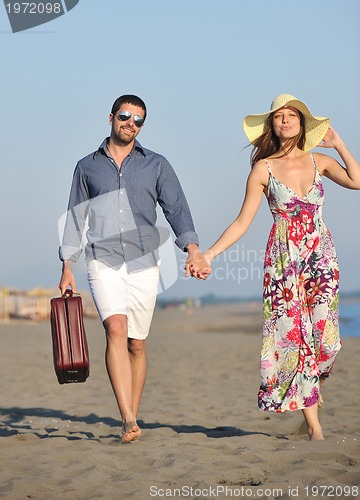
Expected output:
(124, 116)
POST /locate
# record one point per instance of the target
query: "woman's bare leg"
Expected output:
(320, 400)
(313, 424)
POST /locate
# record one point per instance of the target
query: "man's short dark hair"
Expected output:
(128, 99)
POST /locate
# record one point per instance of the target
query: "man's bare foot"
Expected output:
(130, 431)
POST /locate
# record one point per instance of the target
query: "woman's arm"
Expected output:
(256, 184)
(348, 177)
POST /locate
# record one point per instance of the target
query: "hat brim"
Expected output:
(315, 126)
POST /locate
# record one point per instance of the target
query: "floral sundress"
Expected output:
(301, 322)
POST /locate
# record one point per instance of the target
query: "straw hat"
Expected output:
(315, 126)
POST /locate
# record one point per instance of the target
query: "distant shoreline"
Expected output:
(345, 298)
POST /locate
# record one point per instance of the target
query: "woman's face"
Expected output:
(286, 123)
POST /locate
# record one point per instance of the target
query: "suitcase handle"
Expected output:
(69, 293)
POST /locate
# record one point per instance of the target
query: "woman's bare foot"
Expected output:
(130, 431)
(312, 423)
(316, 434)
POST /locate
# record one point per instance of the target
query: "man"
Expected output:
(116, 189)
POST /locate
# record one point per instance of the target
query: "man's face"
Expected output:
(123, 123)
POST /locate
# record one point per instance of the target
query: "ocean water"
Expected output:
(349, 320)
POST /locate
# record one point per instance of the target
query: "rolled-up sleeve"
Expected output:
(173, 202)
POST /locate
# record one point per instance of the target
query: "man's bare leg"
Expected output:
(120, 372)
(137, 352)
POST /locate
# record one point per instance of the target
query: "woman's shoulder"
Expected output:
(260, 171)
(321, 161)
(319, 156)
(261, 166)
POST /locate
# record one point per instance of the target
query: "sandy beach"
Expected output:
(203, 436)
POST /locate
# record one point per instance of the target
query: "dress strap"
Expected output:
(268, 166)
(313, 160)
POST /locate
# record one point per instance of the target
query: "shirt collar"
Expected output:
(102, 147)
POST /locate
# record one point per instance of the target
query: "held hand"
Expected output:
(200, 272)
(331, 139)
(196, 266)
(67, 280)
(205, 271)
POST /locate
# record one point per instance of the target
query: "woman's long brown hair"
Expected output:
(268, 143)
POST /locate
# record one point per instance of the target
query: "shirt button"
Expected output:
(121, 211)
(120, 175)
(121, 192)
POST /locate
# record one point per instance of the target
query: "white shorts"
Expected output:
(115, 291)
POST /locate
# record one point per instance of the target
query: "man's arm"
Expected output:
(70, 248)
(173, 202)
(67, 277)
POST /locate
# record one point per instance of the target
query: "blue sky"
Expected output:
(200, 66)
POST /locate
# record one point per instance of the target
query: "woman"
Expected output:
(301, 329)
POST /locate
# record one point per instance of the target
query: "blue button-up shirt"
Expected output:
(119, 207)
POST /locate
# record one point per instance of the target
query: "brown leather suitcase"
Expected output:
(70, 349)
